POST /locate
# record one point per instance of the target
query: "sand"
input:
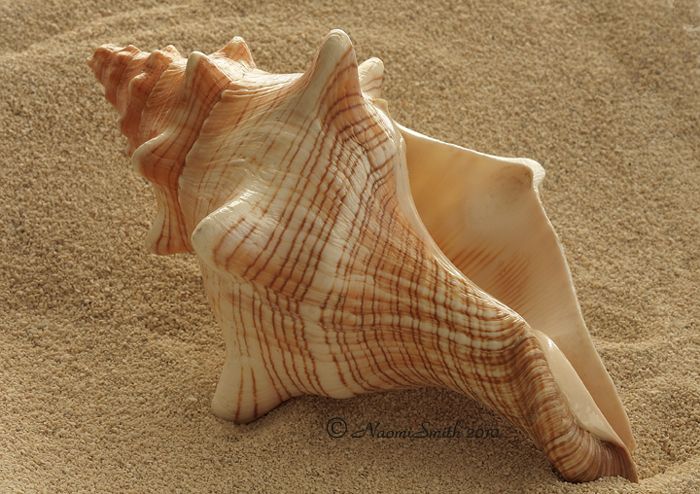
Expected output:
(109, 355)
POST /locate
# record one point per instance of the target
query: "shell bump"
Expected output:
(343, 253)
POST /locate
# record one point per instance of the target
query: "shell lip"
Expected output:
(580, 398)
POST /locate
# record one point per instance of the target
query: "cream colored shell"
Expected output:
(343, 253)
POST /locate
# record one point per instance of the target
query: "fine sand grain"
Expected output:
(109, 355)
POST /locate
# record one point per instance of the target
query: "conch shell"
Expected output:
(343, 253)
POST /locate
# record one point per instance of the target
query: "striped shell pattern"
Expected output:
(343, 253)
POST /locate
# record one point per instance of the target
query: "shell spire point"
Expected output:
(197, 64)
(335, 63)
(238, 51)
(372, 77)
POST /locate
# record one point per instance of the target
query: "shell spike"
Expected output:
(238, 51)
(202, 75)
(332, 82)
(372, 77)
(196, 63)
(171, 50)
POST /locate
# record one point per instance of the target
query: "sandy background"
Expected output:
(109, 355)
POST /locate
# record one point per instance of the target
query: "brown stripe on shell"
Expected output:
(285, 187)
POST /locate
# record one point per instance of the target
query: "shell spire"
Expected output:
(114, 67)
(162, 159)
(128, 76)
(344, 253)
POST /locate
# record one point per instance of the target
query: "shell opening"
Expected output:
(485, 220)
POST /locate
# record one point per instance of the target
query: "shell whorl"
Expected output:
(164, 100)
(163, 96)
(292, 191)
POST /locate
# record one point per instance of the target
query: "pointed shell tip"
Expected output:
(336, 42)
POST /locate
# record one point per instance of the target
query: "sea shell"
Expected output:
(343, 253)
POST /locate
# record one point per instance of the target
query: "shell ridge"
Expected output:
(162, 159)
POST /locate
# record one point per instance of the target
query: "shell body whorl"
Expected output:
(343, 253)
